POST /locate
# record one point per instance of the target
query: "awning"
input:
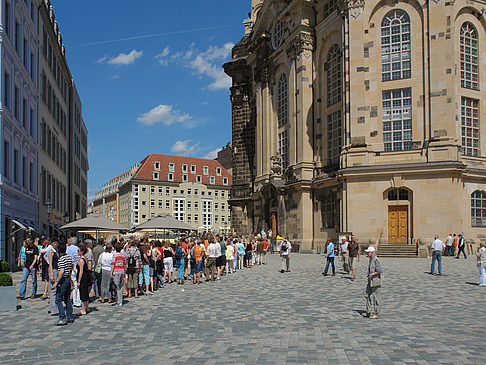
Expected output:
(19, 224)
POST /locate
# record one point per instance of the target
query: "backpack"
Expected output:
(178, 254)
(284, 246)
(132, 262)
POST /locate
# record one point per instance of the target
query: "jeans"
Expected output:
(118, 280)
(23, 283)
(448, 251)
(330, 260)
(97, 284)
(52, 293)
(63, 294)
(461, 249)
(482, 275)
(436, 255)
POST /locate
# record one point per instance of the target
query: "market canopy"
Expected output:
(163, 222)
(95, 222)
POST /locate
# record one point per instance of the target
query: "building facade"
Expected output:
(192, 190)
(360, 116)
(44, 136)
(19, 126)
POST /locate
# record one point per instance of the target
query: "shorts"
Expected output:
(144, 276)
(353, 263)
(168, 264)
(219, 261)
(199, 266)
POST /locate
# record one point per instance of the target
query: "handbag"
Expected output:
(97, 268)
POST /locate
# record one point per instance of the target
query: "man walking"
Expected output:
(353, 250)
(448, 251)
(30, 268)
(462, 245)
(373, 288)
(213, 252)
(343, 252)
(285, 248)
(329, 258)
(437, 248)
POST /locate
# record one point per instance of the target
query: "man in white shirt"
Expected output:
(437, 248)
(213, 252)
(343, 250)
(448, 251)
(285, 248)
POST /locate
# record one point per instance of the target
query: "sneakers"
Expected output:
(373, 316)
(365, 314)
(282, 271)
(61, 323)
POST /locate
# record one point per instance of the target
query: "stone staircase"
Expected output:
(398, 250)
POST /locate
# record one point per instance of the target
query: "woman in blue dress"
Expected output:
(180, 255)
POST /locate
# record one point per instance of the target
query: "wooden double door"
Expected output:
(398, 224)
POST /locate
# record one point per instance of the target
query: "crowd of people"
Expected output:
(76, 273)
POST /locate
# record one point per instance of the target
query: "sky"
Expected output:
(149, 76)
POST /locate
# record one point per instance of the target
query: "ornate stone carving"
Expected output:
(276, 167)
(355, 7)
(302, 42)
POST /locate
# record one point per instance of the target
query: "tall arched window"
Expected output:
(469, 57)
(333, 67)
(395, 46)
(282, 101)
(478, 208)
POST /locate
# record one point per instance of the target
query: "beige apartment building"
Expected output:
(360, 116)
(192, 190)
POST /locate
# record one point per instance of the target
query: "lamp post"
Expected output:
(66, 221)
(49, 207)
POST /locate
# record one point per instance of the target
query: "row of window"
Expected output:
(189, 191)
(18, 168)
(20, 39)
(50, 99)
(50, 55)
(51, 145)
(185, 168)
(54, 191)
(188, 204)
(185, 178)
(189, 218)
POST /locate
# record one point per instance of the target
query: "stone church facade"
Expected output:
(360, 116)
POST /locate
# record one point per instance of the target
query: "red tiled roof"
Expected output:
(148, 167)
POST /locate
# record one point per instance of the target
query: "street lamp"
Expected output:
(49, 205)
(66, 218)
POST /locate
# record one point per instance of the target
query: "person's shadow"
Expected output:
(469, 283)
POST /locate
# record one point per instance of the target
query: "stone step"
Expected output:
(402, 251)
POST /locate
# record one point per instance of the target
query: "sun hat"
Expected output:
(370, 249)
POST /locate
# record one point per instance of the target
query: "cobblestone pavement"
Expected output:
(262, 316)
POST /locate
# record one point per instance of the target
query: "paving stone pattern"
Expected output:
(262, 316)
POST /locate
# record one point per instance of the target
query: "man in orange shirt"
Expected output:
(265, 250)
(185, 247)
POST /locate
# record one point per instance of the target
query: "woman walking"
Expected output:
(44, 266)
(106, 258)
(481, 254)
(132, 256)
(144, 276)
(230, 257)
(180, 256)
(62, 284)
(168, 263)
(118, 268)
(83, 279)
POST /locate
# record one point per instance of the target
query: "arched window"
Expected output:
(333, 67)
(395, 46)
(282, 101)
(469, 57)
(398, 194)
(478, 208)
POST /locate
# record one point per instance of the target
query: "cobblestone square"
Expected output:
(262, 316)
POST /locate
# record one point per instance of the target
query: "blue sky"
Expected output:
(149, 76)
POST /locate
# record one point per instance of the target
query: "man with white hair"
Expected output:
(373, 288)
(437, 248)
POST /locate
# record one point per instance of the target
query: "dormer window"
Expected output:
(184, 177)
(155, 175)
(193, 169)
(198, 178)
(184, 168)
(171, 166)
(218, 171)
(170, 176)
(157, 165)
(205, 170)
(211, 179)
(225, 181)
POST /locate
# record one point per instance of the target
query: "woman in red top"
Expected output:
(118, 268)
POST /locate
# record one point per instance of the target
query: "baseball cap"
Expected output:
(370, 249)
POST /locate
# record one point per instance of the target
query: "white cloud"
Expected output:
(122, 58)
(162, 57)
(213, 154)
(163, 114)
(205, 64)
(185, 148)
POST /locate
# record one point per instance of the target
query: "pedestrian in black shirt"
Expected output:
(30, 268)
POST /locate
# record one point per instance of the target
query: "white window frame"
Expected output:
(170, 176)
(171, 166)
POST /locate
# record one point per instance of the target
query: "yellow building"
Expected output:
(360, 116)
(192, 190)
